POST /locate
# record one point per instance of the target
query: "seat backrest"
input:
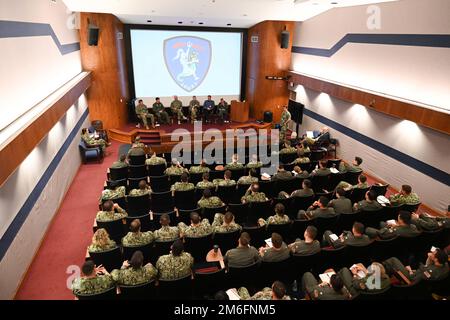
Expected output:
(261, 209)
(178, 289)
(159, 183)
(137, 160)
(276, 271)
(237, 173)
(267, 187)
(160, 248)
(185, 199)
(306, 263)
(257, 235)
(379, 190)
(110, 259)
(239, 210)
(385, 248)
(333, 163)
(162, 201)
(282, 229)
(244, 276)
(209, 282)
(198, 247)
(358, 194)
(226, 193)
(323, 224)
(332, 257)
(138, 171)
(145, 291)
(301, 203)
(298, 228)
(195, 177)
(226, 240)
(116, 228)
(138, 206)
(352, 177)
(118, 173)
(320, 182)
(411, 207)
(156, 169)
(109, 294)
(146, 223)
(208, 213)
(145, 249)
(359, 254)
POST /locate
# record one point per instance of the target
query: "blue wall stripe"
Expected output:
(16, 29)
(414, 163)
(22, 215)
(418, 40)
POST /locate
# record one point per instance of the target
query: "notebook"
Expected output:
(326, 277)
(333, 237)
(233, 294)
(360, 273)
(269, 242)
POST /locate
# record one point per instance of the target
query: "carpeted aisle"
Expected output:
(68, 235)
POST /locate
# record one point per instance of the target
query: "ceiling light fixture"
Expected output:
(180, 22)
(200, 23)
(149, 21)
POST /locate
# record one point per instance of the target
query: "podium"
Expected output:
(239, 111)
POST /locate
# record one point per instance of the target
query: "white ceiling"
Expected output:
(212, 13)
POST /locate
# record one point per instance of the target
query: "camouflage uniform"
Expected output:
(137, 150)
(92, 141)
(198, 169)
(347, 186)
(276, 219)
(137, 239)
(222, 110)
(132, 277)
(223, 182)
(162, 115)
(302, 151)
(153, 160)
(193, 108)
(171, 267)
(234, 165)
(200, 230)
(176, 106)
(211, 202)
(411, 199)
(288, 150)
(257, 164)
(86, 286)
(301, 160)
(345, 167)
(254, 197)
(247, 180)
(97, 248)
(182, 186)
(139, 192)
(264, 294)
(166, 233)
(142, 113)
(285, 117)
(175, 171)
(219, 227)
(106, 216)
(119, 164)
(108, 194)
(205, 185)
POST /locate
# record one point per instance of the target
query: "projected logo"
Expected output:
(187, 59)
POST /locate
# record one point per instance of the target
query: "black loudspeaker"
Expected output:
(93, 36)
(268, 116)
(296, 110)
(285, 39)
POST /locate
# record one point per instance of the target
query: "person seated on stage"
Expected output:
(101, 241)
(161, 114)
(362, 184)
(209, 201)
(405, 196)
(183, 185)
(324, 136)
(109, 212)
(197, 228)
(166, 232)
(308, 246)
(137, 148)
(277, 252)
(205, 183)
(253, 194)
(92, 142)
(222, 110)
(288, 148)
(133, 272)
(306, 191)
(251, 178)
(194, 108)
(299, 173)
(319, 209)
(282, 174)
(143, 189)
(391, 229)
(135, 237)
(276, 292)
(284, 122)
(143, 114)
(175, 265)
(278, 218)
(208, 108)
(234, 164)
(322, 170)
(242, 256)
(303, 148)
(355, 238)
(341, 204)
(356, 282)
(201, 168)
(155, 160)
(224, 223)
(334, 290)
(226, 181)
(177, 106)
(254, 163)
(369, 204)
(94, 280)
(121, 163)
(176, 169)
(112, 192)
(353, 167)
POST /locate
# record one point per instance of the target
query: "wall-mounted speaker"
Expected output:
(284, 39)
(93, 35)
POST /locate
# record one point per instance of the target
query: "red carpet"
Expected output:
(68, 235)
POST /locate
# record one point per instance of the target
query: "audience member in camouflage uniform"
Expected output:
(277, 292)
(278, 218)
(133, 272)
(208, 201)
(183, 185)
(101, 241)
(166, 232)
(303, 148)
(197, 228)
(205, 183)
(111, 194)
(143, 114)
(299, 173)
(176, 169)
(288, 148)
(322, 170)
(194, 105)
(353, 167)
(137, 148)
(94, 280)
(109, 212)
(251, 178)
(161, 114)
(406, 196)
(362, 184)
(122, 163)
(284, 122)
(202, 168)
(234, 164)
(135, 237)
(253, 195)
(154, 160)
(176, 265)
(226, 181)
(143, 189)
(301, 159)
(254, 163)
(92, 142)
(176, 107)
(224, 223)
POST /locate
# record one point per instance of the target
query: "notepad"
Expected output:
(326, 277)
(392, 221)
(333, 237)
(269, 242)
(334, 170)
(383, 200)
(233, 294)
(360, 273)
(433, 249)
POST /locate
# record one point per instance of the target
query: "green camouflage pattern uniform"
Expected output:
(211, 202)
(302, 151)
(347, 186)
(166, 233)
(176, 106)
(276, 219)
(137, 239)
(198, 169)
(119, 164)
(162, 115)
(219, 227)
(301, 160)
(234, 165)
(108, 194)
(411, 199)
(205, 185)
(182, 186)
(171, 267)
(107, 216)
(175, 171)
(92, 141)
(288, 150)
(254, 196)
(139, 192)
(254, 165)
(285, 117)
(199, 230)
(137, 150)
(132, 277)
(142, 113)
(223, 182)
(264, 294)
(247, 180)
(153, 160)
(98, 248)
(193, 109)
(222, 110)
(86, 286)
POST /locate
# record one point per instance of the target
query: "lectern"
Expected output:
(239, 111)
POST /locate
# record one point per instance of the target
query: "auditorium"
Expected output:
(201, 150)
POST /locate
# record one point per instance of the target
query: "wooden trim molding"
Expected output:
(436, 120)
(20, 146)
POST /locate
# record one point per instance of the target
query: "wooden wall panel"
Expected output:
(429, 118)
(108, 95)
(266, 58)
